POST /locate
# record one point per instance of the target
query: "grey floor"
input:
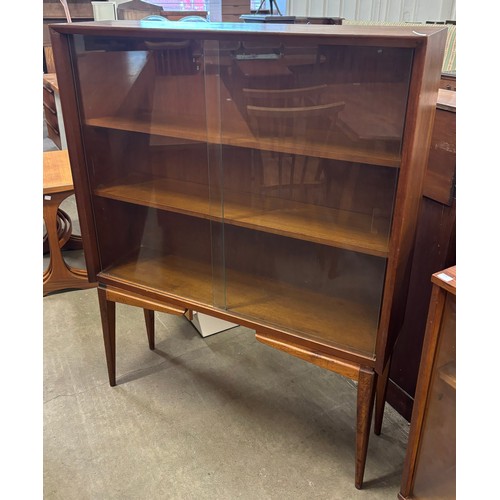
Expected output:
(220, 417)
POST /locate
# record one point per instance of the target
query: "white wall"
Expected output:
(376, 10)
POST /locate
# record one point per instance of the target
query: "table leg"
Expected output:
(59, 275)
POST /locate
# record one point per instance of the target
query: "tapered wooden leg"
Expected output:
(108, 320)
(149, 318)
(366, 394)
(380, 395)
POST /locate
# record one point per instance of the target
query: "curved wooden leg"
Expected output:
(108, 320)
(366, 394)
(63, 231)
(74, 242)
(149, 318)
(59, 275)
(380, 395)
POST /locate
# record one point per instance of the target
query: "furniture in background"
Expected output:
(171, 173)
(57, 186)
(232, 10)
(318, 20)
(449, 71)
(137, 9)
(269, 18)
(52, 111)
(176, 15)
(435, 249)
(54, 12)
(441, 166)
(430, 463)
(449, 81)
(104, 11)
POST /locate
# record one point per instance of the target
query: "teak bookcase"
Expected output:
(268, 175)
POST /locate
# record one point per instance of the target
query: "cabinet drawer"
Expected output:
(439, 183)
(54, 136)
(51, 117)
(448, 82)
(49, 99)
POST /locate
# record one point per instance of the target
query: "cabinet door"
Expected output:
(144, 125)
(310, 150)
(257, 175)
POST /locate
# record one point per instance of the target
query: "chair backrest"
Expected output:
(154, 17)
(137, 10)
(309, 123)
(296, 119)
(296, 112)
(195, 19)
(284, 98)
(173, 57)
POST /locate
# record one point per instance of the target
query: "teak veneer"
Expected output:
(267, 175)
(57, 186)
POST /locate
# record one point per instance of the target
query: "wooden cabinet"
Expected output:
(430, 465)
(54, 12)
(268, 175)
(448, 81)
(434, 249)
(232, 10)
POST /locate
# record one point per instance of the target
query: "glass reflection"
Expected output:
(256, 176)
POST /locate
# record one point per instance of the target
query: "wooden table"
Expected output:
(57, 186)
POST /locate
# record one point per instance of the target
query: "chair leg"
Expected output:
(366, 394)
(380, 396)
(149, 318)
(108, 321)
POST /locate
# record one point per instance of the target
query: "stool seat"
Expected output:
(57, 186)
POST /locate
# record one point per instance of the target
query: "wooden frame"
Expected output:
(444, 286)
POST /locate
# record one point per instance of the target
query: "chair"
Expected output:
(193, 19)
(279, 117)
(57, 186)
(174, 57)
(154, 17)
(137, 10)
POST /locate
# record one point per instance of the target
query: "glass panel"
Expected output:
(311, 146)
(256, 175)
(436, 468)
(144, 109)
(216, 173)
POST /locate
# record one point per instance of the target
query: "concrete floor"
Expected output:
(220, 417)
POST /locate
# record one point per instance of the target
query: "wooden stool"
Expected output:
(57, 186)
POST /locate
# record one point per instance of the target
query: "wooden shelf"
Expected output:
(177, 129)
(219, 120)
(318, 224)
(335, 320)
